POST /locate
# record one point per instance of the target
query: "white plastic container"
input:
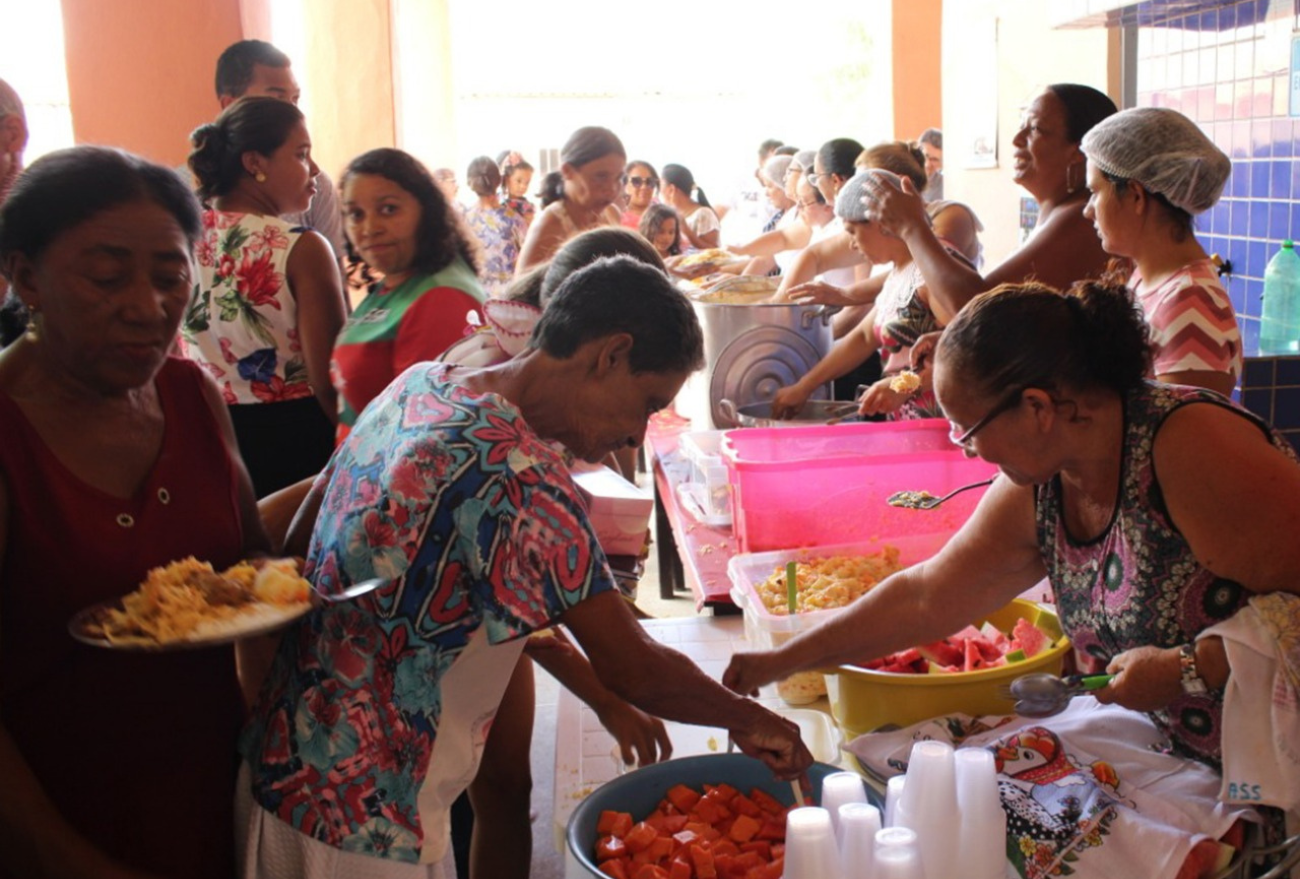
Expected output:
(707, 494)
(619, 511)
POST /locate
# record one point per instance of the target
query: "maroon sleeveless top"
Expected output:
(137, 751)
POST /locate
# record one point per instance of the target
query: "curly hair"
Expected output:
(440, 237)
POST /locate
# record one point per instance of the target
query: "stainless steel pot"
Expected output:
(751, 351)
(812, 412)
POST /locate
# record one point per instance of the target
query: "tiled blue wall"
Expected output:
(1227, 68)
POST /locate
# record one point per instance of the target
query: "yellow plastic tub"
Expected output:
(863, 700)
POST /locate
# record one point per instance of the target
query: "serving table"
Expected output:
(692, 556)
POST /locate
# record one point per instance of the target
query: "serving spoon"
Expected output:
(923, 500)
(356, 590)
(1044, 695)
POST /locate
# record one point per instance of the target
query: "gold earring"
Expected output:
(1070, 186)
(259, 177)
(32, 332)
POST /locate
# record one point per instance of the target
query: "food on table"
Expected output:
(187, 599)
(971, 649)
(834, 581)
(719, 832)
(912, 500)
(906, 382)
(712, 255)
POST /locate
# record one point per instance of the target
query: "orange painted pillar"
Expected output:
(140, 71)
(918, 51)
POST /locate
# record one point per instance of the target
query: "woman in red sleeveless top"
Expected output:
(115, 458)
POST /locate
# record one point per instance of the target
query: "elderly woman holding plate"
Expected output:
(116, 458)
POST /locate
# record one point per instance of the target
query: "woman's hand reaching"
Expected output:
(897, 210)
(881, 399)
(788, 401)
(641, 738)
(1146, 679)
(818, 293)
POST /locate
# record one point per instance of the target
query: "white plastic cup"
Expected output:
(894, 796)
(858, 825)
(929, 803)
(840, 789)
(982, 838)
(897, 855)
(810, 849)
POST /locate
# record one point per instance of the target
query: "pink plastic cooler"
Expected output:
(810, 486)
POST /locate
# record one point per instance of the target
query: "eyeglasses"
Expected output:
(807, 204)
(963, 440)
(638, 182)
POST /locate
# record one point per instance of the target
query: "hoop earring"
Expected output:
(1070, 187)
(32, 332)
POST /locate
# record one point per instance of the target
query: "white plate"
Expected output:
(257, 618)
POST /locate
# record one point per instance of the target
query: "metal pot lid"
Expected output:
(756, 364)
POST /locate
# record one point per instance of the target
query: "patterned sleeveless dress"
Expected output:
(1138, 582)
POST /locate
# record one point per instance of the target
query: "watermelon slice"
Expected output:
(1028, 637)
(941, 652)
(973, 658)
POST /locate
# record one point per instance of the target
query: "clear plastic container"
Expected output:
(1279, 326)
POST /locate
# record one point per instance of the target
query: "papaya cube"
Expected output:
(610, 847)
(744, 828)
(614, 823)
(682, 797)
(638, 839)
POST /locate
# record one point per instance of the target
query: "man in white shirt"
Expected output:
(256, 68)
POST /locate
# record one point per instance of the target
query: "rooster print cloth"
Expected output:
(242, 322)
(482, 536)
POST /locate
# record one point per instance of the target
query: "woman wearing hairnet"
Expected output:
(1150, 170)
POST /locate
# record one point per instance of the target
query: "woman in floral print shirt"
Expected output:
(268, 302)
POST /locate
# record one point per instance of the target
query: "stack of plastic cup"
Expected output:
(929, 806)
(840, 789)
(893, 796)
(982, 839)
(897, 855)
(858, 825)
(810, 848)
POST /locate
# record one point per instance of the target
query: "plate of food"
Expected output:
(187, 605)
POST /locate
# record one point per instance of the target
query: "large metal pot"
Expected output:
(812, 412)
(750, 352)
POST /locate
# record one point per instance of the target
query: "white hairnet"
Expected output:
(1164, 151)
(853, 203)
(775, 168)
(803, 160)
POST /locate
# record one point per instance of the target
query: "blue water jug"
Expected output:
(1279, 326)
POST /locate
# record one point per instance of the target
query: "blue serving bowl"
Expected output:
(640, 791)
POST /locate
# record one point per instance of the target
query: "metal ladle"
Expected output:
(1043, 695)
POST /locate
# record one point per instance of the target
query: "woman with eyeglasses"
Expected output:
(1116, 488)
(592, 163)
(701, 228)
(641, 182)
(786, 230)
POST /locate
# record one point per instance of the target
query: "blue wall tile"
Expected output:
(1279, 219)
(1240, 223)
(1257, 255)
(1288, 371)
(1286, 407)
(1283, 146)
(1249, 331)
(1279, 184)
(1259, 401)
(1261, 180)
(1259, 372)
(1259, 216)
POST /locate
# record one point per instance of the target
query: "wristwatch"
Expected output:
(1193, 685)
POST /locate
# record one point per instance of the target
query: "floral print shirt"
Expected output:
(242, 322)
(477, 526)
(1138, 583)
(501, 232)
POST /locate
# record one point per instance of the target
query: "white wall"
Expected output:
(1030, 55)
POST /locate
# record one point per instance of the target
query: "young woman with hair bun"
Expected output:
(269, 301)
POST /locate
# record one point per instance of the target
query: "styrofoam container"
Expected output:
(827, 484)
(710, 480)
(765, 630)
(863, 700)
(619, 511)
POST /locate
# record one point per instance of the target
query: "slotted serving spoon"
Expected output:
(923, 500)
(1043, 695)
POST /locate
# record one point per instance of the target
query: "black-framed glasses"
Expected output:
(638, 182)
(963, 440)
